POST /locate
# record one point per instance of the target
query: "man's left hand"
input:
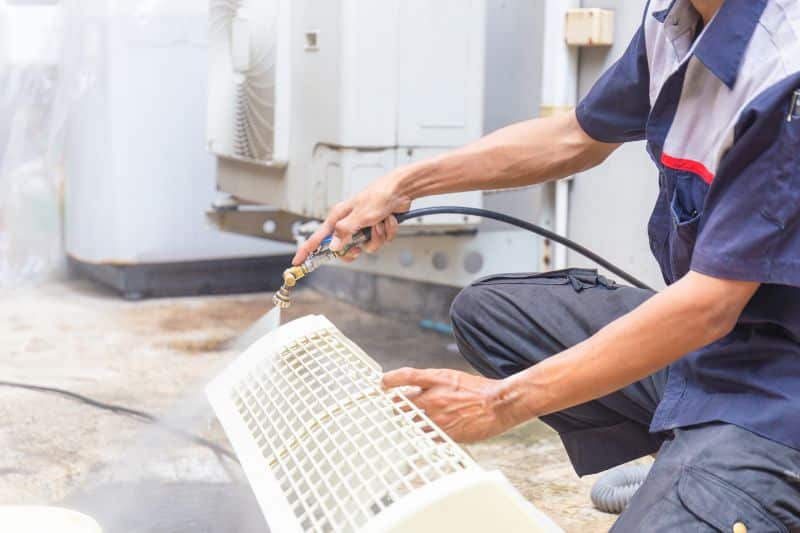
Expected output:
(468, 408)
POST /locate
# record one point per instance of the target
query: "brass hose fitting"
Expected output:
(283, 297)
(315, 260)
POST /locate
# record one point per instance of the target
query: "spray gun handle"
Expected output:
(359, 238)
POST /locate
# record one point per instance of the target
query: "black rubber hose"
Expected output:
(522, 224)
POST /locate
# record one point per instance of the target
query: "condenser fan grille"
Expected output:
(243, 36)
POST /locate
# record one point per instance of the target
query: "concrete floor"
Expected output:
(157, 355)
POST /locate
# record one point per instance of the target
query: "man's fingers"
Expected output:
(352, 254)
(400, 377)
(413, 377)
(343, 232)
(391, 227)
(377, 238)
(426, 402)
(312, 243)
(338, 212)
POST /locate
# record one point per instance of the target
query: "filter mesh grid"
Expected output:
(341, 448)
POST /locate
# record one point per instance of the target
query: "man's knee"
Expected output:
(505, 327)
(475, 313)
(468, 326)
(463, 310)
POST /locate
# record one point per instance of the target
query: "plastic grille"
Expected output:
(341, 449)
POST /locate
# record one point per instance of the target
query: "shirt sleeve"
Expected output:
(750, 225)
(617, 106)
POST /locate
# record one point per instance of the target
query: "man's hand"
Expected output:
(468, 408)
(372, 207)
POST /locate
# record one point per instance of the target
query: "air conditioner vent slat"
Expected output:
(243, 42)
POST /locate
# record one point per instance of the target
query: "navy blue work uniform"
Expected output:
(719, 107)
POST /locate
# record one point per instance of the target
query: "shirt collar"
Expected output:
(661, 16)
(722, 45)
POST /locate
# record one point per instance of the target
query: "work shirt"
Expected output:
(718, 109)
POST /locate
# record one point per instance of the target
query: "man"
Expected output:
(706, 372)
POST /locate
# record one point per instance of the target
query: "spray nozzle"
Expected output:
(282, 298)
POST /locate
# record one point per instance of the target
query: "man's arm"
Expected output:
(687, 315)
(526, 153)
(522, 154)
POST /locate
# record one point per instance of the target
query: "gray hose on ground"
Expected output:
(614, 489)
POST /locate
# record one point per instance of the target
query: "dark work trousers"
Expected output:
(710, 477)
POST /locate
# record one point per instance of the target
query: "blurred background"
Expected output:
(159, 160)
(129, 129)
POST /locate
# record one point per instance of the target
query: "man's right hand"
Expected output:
(371, 208)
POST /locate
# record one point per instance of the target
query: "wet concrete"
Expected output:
(157, 355)
(158, 507)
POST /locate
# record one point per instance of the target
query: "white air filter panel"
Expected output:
(326, 449)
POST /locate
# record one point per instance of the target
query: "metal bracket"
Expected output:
(255, 220)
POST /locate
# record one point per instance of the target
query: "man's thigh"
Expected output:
(516, 320)
(509, 322)
(713, 477)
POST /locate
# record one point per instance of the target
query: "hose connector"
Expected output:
(315, 260)
(283, 297)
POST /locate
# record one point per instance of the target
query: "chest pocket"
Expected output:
(686, 208)
(674, 224)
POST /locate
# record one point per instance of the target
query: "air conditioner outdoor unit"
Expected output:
(138, 177)
(326, 449)
(310, 101)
